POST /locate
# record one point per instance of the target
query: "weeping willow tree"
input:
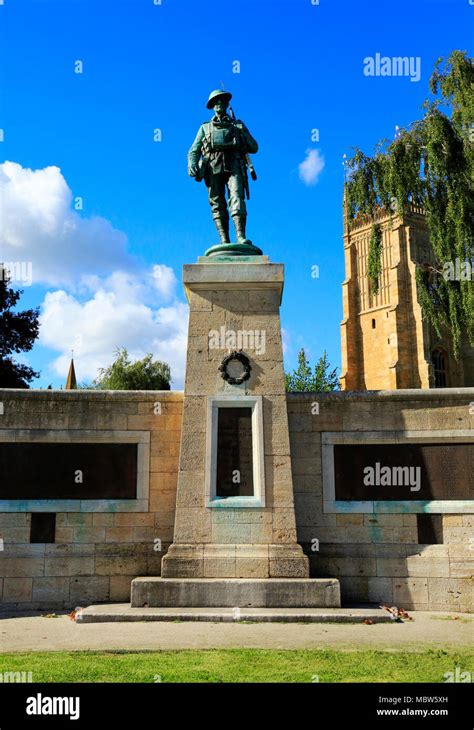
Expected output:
(374, 264)
(429, 164)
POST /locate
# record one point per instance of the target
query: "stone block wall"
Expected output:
(96, 554)
(377, 556)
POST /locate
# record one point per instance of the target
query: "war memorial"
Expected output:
(235, 494)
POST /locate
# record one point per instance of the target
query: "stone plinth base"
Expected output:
(236, 592)
(234, 250)
(124, 612)
(235, 561)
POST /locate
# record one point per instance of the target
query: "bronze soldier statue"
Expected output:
(219, 156)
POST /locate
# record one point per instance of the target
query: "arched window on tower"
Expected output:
(439, 360)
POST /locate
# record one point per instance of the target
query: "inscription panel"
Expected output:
(404, 471)
(234, 453)
(68, 471)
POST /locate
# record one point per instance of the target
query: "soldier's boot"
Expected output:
(222, 225)
(239, 223)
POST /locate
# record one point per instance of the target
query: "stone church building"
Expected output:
(386, 344)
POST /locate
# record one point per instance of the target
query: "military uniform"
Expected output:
(218, 156)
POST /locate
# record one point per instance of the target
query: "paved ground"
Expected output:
(38, 633)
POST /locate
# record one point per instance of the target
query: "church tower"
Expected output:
(386, 344)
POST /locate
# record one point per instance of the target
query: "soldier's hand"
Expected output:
(192, 170)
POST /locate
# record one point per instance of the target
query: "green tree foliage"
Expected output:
(18, 332)
(123, 374)
(430, 164)
(306, 380)
(375, 258)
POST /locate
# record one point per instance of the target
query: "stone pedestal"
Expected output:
(231, 592)
(235, 304)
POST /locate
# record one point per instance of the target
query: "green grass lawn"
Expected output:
(238, 665)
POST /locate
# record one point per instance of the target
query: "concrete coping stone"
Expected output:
(412, 394)
(96, 395)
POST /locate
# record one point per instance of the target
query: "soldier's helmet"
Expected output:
(214, 96)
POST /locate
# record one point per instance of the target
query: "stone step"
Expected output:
(124, 612)
(280, 593)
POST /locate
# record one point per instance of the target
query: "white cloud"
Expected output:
(311, 167)
(114, 316)
(164, 280)
(102, 297)
(39, 225)
(285, 340)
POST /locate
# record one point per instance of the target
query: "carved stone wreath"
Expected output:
(237, 356)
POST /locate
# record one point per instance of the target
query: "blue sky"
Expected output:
(148, 66)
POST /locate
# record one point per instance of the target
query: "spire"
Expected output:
(71, 382)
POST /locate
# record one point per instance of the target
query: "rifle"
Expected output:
(248, 161)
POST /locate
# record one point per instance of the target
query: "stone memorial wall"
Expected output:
(371, 540)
